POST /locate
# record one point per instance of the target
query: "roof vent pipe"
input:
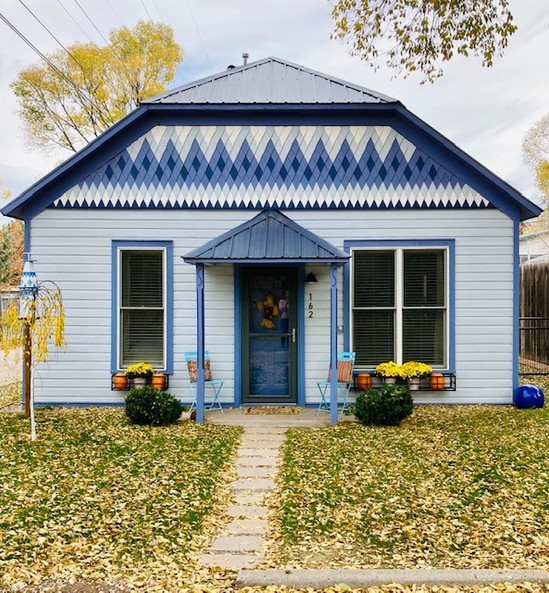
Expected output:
(245, 57)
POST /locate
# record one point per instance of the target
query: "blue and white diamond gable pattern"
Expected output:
(260, 167)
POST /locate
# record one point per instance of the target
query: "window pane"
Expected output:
(374, 278)
(373, 337)
(424, 278)
(142, 278)
(142, 337)
(424, 336)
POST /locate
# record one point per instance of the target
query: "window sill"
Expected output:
(446, 383)
(119, 382)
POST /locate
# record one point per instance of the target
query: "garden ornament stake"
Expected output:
(38, 320)
(28, 292)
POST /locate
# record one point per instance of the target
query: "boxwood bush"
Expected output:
(151, 406)
(386, 406)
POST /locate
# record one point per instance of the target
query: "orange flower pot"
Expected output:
(158, 381)
(120, 381)
(363, 381)
(436, 381)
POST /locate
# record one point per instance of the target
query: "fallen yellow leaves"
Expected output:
(453, 487)
(96, 499)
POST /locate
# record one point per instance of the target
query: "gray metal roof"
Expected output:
(270, 80)
(269, 237)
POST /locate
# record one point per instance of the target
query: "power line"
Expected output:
(115, 12)
(146, 10)
(45, 58)
(199, 36)
(75, 21)
(51, 34)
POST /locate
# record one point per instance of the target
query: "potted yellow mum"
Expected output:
(389, 372)
(412, 371)
(140, 373)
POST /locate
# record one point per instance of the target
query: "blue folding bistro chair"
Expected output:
(345, 364)
(209, 381)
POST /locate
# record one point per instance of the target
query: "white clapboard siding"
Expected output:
(73, 248)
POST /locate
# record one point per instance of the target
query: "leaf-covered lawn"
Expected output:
(96, 498)
(10, 393)
(462, 487)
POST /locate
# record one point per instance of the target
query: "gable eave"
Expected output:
(19, 206)
(502, 195)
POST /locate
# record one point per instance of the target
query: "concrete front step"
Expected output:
(264, 430)
(255, 452)
(257, 461)
(246, 527)
(237, 544)
(243, 497)
(257, 484)
(246, 511)
(255, 472)
(235, 561)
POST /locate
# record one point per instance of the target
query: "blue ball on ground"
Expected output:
(528, 397)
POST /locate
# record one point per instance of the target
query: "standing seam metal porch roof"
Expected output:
(269, 237)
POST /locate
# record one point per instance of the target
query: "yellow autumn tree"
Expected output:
(92, 87)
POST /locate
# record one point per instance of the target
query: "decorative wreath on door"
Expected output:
(270, 310)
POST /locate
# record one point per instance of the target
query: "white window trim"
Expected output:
(399, 296)
(120, 249)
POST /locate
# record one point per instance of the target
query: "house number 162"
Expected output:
(311, 306)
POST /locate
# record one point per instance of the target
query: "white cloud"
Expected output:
(484, 111)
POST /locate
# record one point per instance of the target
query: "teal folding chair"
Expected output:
(345, 364)
(214, 384)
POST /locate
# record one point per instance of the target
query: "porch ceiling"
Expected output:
(269, 237)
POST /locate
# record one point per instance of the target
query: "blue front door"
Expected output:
(269, 335)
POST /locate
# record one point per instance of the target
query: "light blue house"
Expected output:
(199, 218)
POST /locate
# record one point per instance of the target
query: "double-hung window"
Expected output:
(142, 304)
(399, 305)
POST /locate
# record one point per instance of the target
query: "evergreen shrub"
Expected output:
(149, 406)
(386, 406)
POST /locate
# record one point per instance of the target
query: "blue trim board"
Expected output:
(301, 395)
(44, 192)
(115, 247)
(450, 244)
(237, 336)
(516, 307)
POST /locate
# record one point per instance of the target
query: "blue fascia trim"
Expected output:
(516, 307)
(450, 244)
(280, 261)
(301, 396)
(498, 192)
(69, 173)
(237, 336)
(116, 245)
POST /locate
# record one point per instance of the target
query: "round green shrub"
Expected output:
(387, 406)
(149, 406)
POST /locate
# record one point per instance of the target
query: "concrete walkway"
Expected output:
(361, 579)
(241, 543)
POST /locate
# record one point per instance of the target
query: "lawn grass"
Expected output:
(10, 393)
(456, 487)
(98, 499)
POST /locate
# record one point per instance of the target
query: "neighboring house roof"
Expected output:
(270, 80)
(215, 144)
(269, 236)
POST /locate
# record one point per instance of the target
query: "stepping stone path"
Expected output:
(240, 546)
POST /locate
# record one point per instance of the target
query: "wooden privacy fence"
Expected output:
(534, 318)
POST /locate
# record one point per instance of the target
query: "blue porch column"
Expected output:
(200, 385)
(333, 344)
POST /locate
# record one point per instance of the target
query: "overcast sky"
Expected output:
(486, 112)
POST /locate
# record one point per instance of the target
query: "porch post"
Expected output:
(200, 385)
(333, 344)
